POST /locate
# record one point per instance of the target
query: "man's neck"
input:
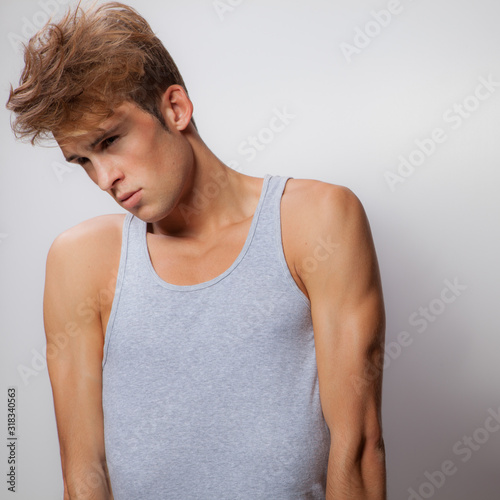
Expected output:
(214, 196)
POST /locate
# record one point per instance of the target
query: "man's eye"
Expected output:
(82, 161)
(107, 142)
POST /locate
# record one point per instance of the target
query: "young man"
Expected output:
(223, 339)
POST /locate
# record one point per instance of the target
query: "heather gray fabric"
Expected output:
(210, 391)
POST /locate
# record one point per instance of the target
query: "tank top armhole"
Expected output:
(279, 248)
(118, 287)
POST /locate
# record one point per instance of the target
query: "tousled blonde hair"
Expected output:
(78, 69)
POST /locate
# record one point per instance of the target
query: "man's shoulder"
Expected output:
(91, 234)
(319, 206)
(89, 249)
(325, 219)
(314, 187)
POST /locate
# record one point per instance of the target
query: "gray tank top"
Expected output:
(210, 391)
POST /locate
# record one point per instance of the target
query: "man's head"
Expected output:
(105, 88)
(78, 70)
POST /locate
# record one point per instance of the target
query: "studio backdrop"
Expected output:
(398, 100)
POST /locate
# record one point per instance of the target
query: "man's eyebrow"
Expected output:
(102, 136)
(96, 141)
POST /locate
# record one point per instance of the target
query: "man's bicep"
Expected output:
(74, 356)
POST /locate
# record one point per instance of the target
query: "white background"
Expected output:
(353, 120)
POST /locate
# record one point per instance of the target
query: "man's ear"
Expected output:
(176, 107)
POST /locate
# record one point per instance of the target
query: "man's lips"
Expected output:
(126, 196)
(130, 199)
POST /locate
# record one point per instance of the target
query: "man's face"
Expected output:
(133, 158)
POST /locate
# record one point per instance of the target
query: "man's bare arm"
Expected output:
(349, 323)
(74, 356)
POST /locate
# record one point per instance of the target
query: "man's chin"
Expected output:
(145, 215)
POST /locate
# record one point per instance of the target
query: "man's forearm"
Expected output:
(358, 475)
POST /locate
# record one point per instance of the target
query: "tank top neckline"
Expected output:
(228, 271)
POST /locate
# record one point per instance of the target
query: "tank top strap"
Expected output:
(270, 209)
(268, 227)
(134, 240)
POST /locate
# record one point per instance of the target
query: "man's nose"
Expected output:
(107, 173)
